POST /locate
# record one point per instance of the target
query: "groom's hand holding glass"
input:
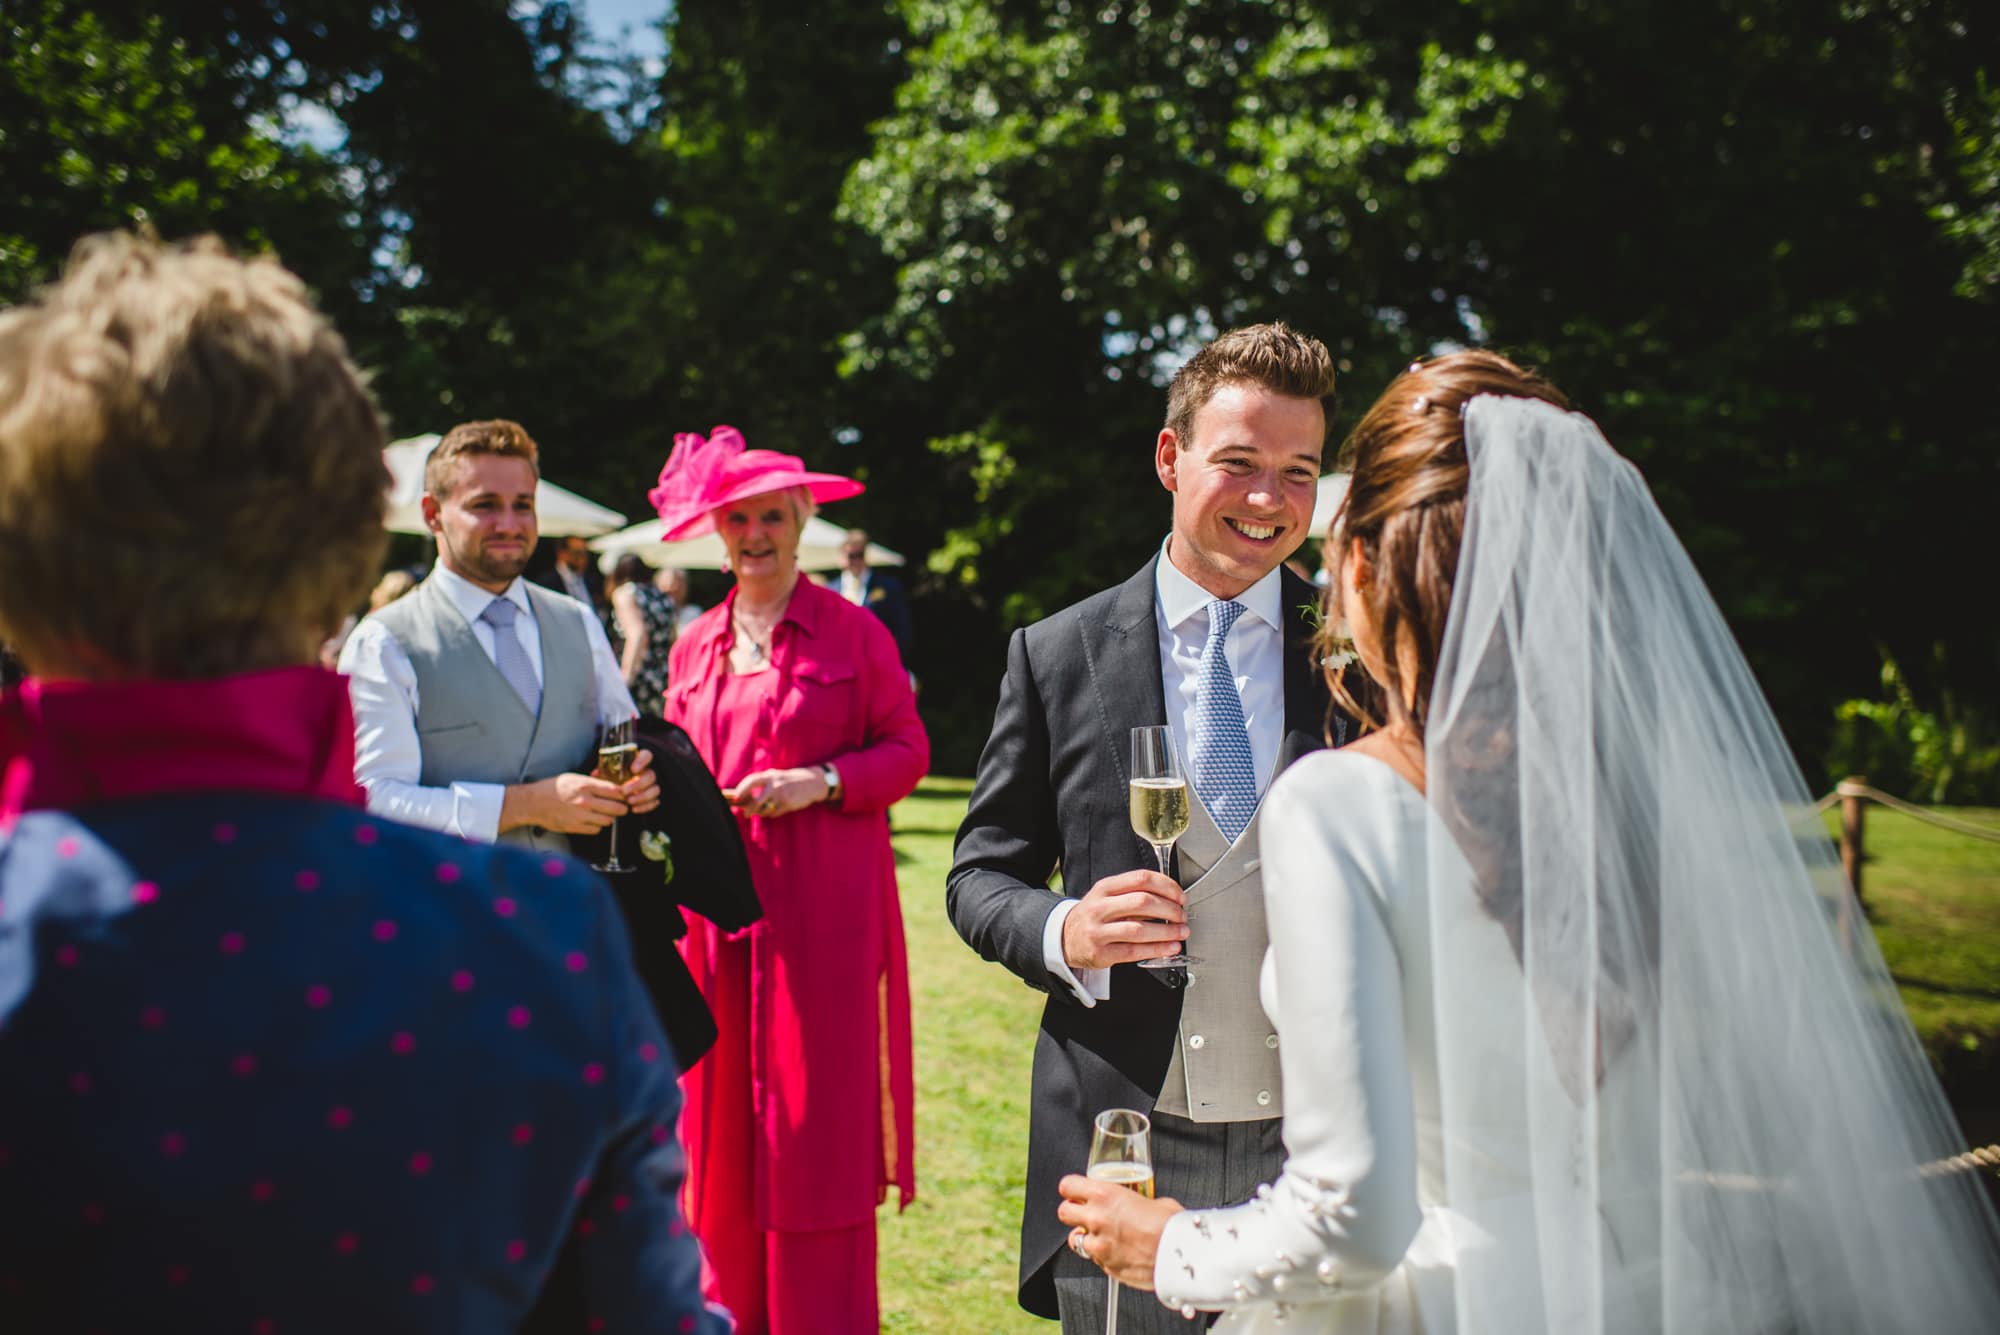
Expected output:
(1135, 915)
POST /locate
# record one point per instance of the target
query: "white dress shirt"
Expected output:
(388, 758)
(1256, 653)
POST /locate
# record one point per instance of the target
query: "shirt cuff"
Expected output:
(476, 810)
(1090, 985)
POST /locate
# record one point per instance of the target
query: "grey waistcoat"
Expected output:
(470, 724)
(1225, 1062)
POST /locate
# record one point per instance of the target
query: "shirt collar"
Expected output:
(1180, 597)
(471, 600)
(803, 610)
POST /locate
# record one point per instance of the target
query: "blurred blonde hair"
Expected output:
(191, 475)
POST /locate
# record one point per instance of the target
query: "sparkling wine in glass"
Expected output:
(1121, 1152)
(617, 752)
(1159, 795)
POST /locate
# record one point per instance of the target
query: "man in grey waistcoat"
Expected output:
(1212, 638)
(478, 693)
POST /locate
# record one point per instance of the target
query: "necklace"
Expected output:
(758, 651)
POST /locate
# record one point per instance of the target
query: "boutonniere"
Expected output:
(657, 846)
(877, 595)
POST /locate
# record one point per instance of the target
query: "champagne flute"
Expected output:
(1121, 1151)
(616, 754)
(1160, 811)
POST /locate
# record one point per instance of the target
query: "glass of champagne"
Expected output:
(1121, 1151)
(616, 753)
(1159, 809)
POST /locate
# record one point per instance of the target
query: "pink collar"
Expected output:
(66, 744)
(803, 613)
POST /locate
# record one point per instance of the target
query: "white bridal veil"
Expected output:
(1679, 1093)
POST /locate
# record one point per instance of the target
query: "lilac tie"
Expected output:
(1225, 776)
(509, 656)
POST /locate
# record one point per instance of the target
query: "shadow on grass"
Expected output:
(1946, 989)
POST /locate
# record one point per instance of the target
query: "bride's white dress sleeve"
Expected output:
(1343, 1213)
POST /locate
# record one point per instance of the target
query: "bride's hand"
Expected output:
(1115, 1227)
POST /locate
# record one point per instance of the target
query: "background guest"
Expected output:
(877, 590)
(575, 573)
(271, 1063)
(476, 695)
(673, 581)
(642, 631)
(389, 588)
(800, 1119)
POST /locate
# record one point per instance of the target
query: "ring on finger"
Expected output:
(1076, 1237)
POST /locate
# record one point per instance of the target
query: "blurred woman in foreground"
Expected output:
(271, 1064)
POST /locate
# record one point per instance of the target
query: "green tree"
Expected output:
(110, 121)
(1753, 240)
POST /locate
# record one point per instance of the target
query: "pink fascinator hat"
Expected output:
(702, 474)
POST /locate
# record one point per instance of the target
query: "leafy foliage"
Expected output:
(1752, 240)
(110, 122)
(1950, 754)
(956, 246)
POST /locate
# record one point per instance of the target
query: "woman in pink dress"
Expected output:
(800, 1119)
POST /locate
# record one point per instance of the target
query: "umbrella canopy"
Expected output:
(819, 548)
(559, 512)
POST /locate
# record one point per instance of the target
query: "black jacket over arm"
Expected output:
(1051, 794)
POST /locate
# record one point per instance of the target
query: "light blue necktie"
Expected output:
(1225, 776)
(510, 657)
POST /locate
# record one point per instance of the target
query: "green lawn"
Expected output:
(948, 1262)
(1934, 898)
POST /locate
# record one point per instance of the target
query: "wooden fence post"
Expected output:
(1853, 792)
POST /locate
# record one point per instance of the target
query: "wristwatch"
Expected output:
(831, 777)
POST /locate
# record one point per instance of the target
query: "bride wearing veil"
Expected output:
(1575, 1036)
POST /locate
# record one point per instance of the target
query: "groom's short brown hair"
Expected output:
(1273, 356)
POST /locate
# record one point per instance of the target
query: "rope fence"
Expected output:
(1986, 1157)
(1859, 788)
(1854, 793)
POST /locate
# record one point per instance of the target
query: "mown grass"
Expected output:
(1933, 897)
(948, 1262)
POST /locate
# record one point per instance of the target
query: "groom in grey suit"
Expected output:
(1212, 637)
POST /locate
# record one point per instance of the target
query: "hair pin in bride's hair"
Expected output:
(1422, 405)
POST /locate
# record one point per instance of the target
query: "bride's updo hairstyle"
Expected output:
(1406, 504)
